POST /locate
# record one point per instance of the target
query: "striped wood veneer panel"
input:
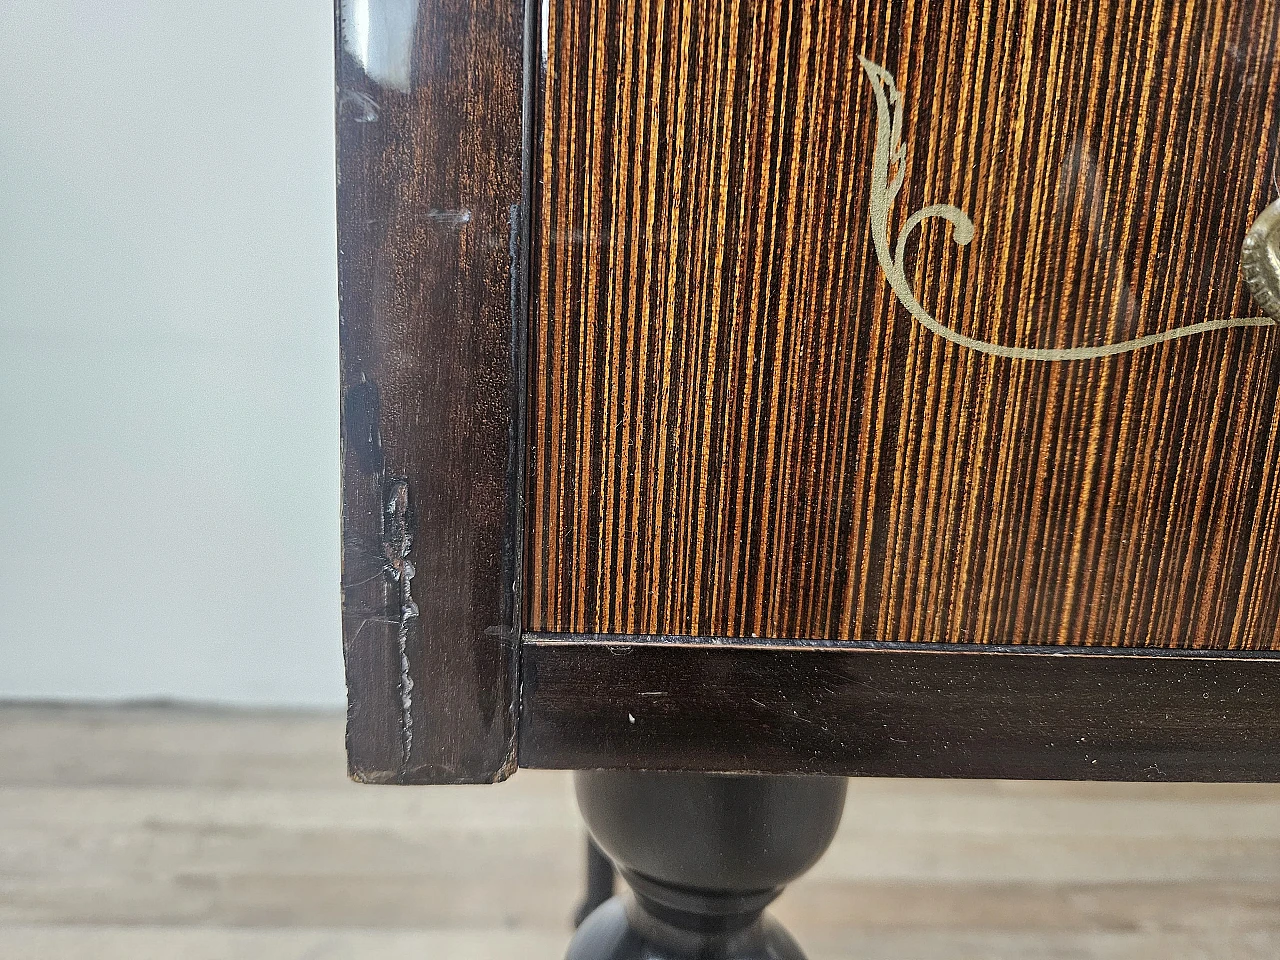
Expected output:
(737, 428)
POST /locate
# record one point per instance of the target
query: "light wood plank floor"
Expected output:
(156, 832)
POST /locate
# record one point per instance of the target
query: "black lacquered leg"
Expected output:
(600, 880)
(703, 855)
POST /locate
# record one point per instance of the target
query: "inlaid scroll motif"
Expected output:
(889, 154)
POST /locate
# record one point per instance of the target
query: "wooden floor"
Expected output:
(164, 833)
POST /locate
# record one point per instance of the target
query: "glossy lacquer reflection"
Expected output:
(379, 34)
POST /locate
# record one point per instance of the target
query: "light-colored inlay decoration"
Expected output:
(890, 153)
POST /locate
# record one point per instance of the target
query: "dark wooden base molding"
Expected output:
(874, 710)
(703, 855)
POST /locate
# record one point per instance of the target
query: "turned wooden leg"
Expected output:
(703, 855)
(600, 882)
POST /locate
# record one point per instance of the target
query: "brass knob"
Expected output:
(1260, 260)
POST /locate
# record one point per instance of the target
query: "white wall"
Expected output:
(168, 351)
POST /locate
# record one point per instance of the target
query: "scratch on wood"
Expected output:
(397, 541)
(454, 219)
(359, 106)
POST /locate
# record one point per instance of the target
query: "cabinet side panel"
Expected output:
(429, 199)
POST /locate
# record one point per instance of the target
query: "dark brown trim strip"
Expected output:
(430, 251)
(869, 710)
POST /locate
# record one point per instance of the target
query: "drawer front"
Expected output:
(909, 321)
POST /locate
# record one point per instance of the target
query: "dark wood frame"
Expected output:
(902, 710)
(434, 186)
(431, 240)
